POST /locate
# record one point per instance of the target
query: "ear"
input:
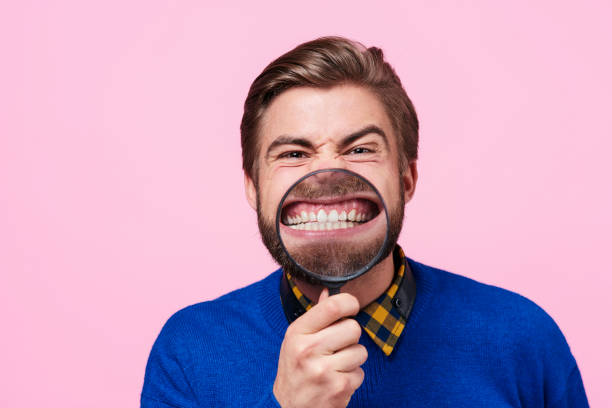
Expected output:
(250, 191)
(409, 178)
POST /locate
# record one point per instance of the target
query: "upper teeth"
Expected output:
(320, 226)
(322, 217)
(333, 216)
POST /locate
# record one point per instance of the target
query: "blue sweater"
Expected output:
(465, 344)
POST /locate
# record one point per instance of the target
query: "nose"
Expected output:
(326, 161)
(328, 177)
(329, 161)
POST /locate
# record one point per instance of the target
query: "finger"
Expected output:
(337, 336)
(327, 312)
(324, 295)
(349, 359)
(356, 377)
(350, 381)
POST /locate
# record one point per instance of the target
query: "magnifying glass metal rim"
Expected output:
(334, 281)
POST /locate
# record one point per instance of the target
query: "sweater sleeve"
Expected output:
(147, 402)
(558, 370)
(171, 379)
(574, 395)
(166, 383)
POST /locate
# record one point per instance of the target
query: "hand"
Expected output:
(320, 358)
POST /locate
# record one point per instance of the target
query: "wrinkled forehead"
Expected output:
(322, 115)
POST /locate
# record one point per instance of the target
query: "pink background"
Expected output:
(122, 197)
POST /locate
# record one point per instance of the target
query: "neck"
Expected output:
(366, 288)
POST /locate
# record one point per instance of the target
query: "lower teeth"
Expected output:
(323, 226)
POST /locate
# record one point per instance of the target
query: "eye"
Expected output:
(360, 150)
(295, 154)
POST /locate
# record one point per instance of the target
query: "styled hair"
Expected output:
(324, 63)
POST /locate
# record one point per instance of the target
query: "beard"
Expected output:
(337, 259)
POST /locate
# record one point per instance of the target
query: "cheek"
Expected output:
(281, 179)
(272, 191)
(384, 178)
(388, 187)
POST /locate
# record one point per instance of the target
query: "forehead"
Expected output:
(323, 113)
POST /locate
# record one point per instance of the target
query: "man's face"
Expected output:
(307, 129)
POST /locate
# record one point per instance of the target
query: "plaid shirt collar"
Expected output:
(383, 320)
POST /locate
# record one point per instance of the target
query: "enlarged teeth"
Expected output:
(333, 216)
(323, 226)
(351, 215)
(321, 216)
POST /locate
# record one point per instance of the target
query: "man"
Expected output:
(403, 333)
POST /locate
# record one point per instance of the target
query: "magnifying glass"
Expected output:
(333, 224)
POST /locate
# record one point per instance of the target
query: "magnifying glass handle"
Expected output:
(334, 289)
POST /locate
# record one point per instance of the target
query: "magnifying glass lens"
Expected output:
(333, 224)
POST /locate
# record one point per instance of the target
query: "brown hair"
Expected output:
(324, 63)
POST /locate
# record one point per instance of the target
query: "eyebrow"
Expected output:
(347, 140)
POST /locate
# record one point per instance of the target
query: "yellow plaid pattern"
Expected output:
(380, 319)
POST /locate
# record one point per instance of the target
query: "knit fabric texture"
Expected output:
(465, 344)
